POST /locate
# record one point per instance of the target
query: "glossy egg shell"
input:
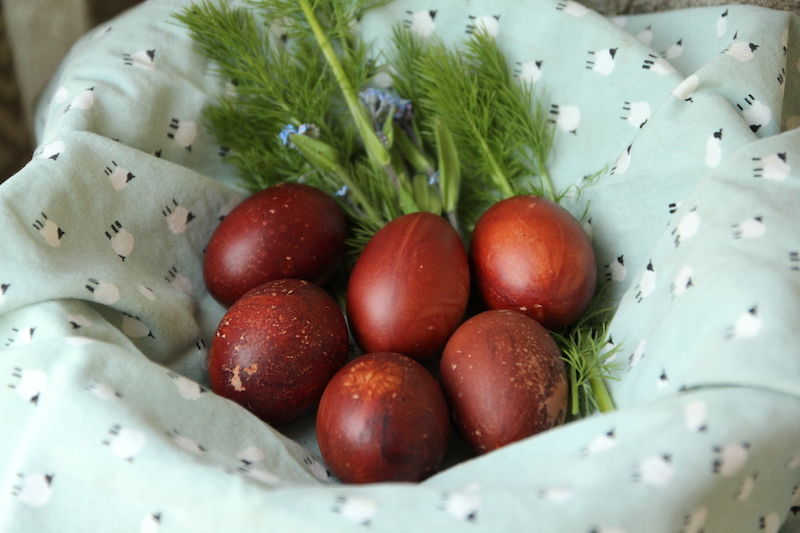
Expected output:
(409, 287)
(290, 230)
(277, 347)
(383, 417)
(504, 379)
(529, 254)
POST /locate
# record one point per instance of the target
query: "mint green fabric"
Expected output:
(107, 420)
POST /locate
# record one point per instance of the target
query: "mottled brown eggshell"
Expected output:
(504, 379)
(529, 254)
(409, 287)
(277, 347)
(383, 417)
(290, 230)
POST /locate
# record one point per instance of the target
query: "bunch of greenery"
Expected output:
(455, 134)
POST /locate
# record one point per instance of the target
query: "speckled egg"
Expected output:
(504, 379)
(290, 230)
(383, 417)
(277, 347)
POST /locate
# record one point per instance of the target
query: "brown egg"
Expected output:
(409, 287)
(285, 231)
(276, 349)
(504, 379)
(530, 254)
(382, 417)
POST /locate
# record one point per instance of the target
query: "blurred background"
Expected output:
(35, 35)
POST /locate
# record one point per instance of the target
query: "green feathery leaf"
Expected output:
(503, 136)
(589, 357)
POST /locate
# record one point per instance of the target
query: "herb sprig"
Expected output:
(284, 85)
(503, 136)
(589, 356)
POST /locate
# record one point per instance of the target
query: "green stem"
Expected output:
(604, 402)
(549, 190)
(393, 175)
(573, 380)
(360, 198)
(498, 175)
(323, 157)
(377, 152)
(411, 151)
(452, 217)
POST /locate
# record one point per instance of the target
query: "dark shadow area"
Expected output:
(15, 145)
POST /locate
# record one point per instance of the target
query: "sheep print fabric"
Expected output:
(108, 423)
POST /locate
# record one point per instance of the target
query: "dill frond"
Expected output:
(454, 91)
(527, 136)
(222, 33)
(249, 120)
(585, 350)
(503, 135)
(576, 190)
(404, 64)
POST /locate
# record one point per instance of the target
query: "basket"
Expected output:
(108, 422)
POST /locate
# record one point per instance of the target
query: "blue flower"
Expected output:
(288, 130)
(379, 105)
(309, 130)
(405, 110)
